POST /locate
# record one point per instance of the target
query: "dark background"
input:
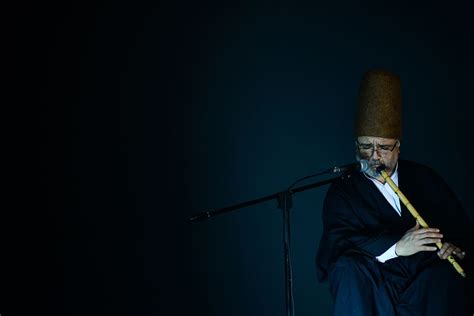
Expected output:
(153, 112)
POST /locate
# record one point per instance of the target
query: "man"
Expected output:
(376, 257)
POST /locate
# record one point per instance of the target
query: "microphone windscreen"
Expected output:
(364, 165)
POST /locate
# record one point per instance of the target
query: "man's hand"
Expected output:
(417, 239)
(450, 249)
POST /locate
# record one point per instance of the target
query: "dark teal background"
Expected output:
(153, 112)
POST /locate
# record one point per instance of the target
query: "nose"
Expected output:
(375, 153)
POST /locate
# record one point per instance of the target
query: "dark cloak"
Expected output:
(358, 219)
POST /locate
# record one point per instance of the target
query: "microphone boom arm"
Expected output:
(211, 213)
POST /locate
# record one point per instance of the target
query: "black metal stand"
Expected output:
(285, 203)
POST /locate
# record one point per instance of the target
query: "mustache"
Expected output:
(375, 163)
(374, 166)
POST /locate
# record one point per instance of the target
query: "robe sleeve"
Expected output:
(344, 231)
(454, 222)
(388, 255)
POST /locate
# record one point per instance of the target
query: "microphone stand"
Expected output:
(285, 202)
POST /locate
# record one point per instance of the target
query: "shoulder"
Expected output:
(421, 175)
(416, 168)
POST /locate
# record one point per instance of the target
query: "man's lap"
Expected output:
(417, 285)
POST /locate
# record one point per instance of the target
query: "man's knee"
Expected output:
(356, 286)
(351, 261)
(352, 269)
(355, 264)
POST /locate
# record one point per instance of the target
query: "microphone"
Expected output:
(362, 166)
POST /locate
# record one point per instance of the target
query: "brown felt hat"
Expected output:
(379, 112)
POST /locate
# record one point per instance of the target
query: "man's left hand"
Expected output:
(449, 249)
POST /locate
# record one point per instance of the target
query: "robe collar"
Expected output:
(379, 204)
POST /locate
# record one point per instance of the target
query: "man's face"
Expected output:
(378, 151)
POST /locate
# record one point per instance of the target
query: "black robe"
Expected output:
(359, 223)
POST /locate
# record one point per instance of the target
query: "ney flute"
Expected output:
(417, 216)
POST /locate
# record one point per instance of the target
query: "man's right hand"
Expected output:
(417, 239)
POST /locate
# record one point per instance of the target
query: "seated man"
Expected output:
(376, 257)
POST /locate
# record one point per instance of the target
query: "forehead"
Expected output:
(376, 140)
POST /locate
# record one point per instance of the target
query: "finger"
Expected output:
(426, 230)
(417, 226)
(458, 252)
(429, 235)
(426, 241)
(461, 254)
(443, 249)
(445, 246)
(427, 248)
(448, 252)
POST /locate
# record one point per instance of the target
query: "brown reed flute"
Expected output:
(418, 217)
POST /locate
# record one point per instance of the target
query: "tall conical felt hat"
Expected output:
(379, 112)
